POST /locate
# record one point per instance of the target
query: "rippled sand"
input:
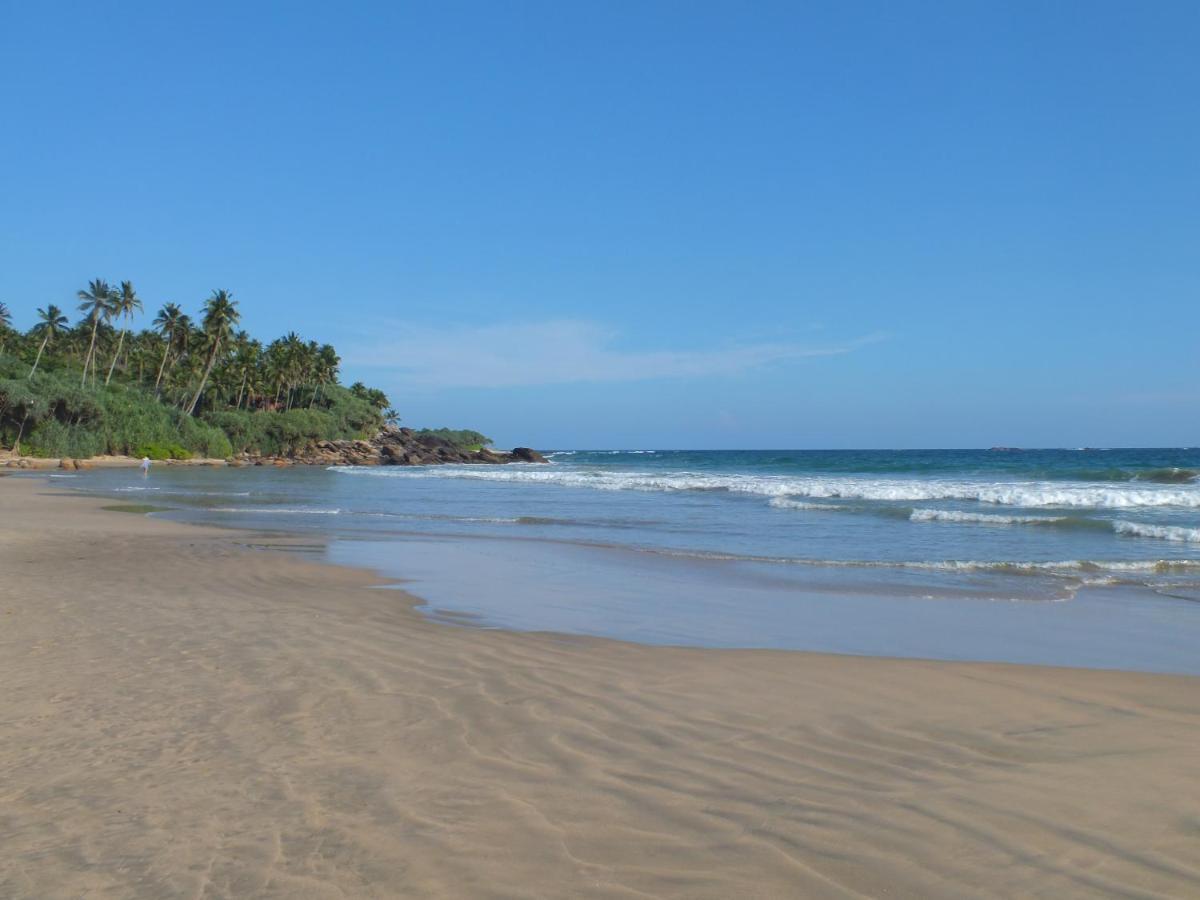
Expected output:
(186, 716)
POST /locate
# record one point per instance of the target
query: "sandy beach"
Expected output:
(191, 712)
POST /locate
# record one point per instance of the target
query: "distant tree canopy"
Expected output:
(181, 385)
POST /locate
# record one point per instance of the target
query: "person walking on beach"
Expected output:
(145, 465)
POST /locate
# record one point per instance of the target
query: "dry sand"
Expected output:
(184, 715)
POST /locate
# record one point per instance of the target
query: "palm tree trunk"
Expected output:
(39, 356)
(212, 358)
(162, 366)
(116, 356)
(20, 431)
(95, 360)
(238, 405)
(91, 347)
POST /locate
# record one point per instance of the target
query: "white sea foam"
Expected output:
(1075, 568)
(205, 493)
(1056, 567)
(953, 515)
(277, 510)
(499, 520)
(789, 503)
(1163, 532)
(1031, 494)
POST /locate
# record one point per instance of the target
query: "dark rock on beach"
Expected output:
(396, 447)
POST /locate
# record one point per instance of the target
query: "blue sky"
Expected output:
(645, 224)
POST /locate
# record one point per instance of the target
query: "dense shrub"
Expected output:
(162, 452)
(339, 416)
(56, 439)
(463, 438)
(54, 416)
(238, 394)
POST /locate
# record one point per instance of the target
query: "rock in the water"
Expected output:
(524, 454)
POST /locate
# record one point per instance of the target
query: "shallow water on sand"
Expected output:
(1088, 558)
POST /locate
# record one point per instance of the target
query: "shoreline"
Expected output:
(563, 570)
(108, 461)
(186, 715)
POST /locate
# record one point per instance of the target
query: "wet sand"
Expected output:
(189, 712)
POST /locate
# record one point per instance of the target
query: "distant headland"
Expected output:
(191, 390)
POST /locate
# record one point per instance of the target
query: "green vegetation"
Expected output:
(162, 451)
(464, 439)
(178, 389)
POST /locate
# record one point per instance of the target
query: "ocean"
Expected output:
(1087, 557)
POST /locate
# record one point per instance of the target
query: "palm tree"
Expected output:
(275, 368)
(125, 304)
(326, 369)
(295, 350)
(182, 371)
(143, 350)
(98, 302)
(256, 373)
(52, 324)
(166, 323)
(245, 360)
(5, 324)
(285, 365)
(220, 315)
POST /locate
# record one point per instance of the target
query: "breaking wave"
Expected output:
(1031, 494)
(1162, 532)
(1069, 567)
(952, 515)
(277, 510)
(1164, 475)
(789, 503)
(1172, 475)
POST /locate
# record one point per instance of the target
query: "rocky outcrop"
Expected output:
(391, 447)
(394, 447)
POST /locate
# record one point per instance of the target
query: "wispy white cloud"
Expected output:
(560, 352)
